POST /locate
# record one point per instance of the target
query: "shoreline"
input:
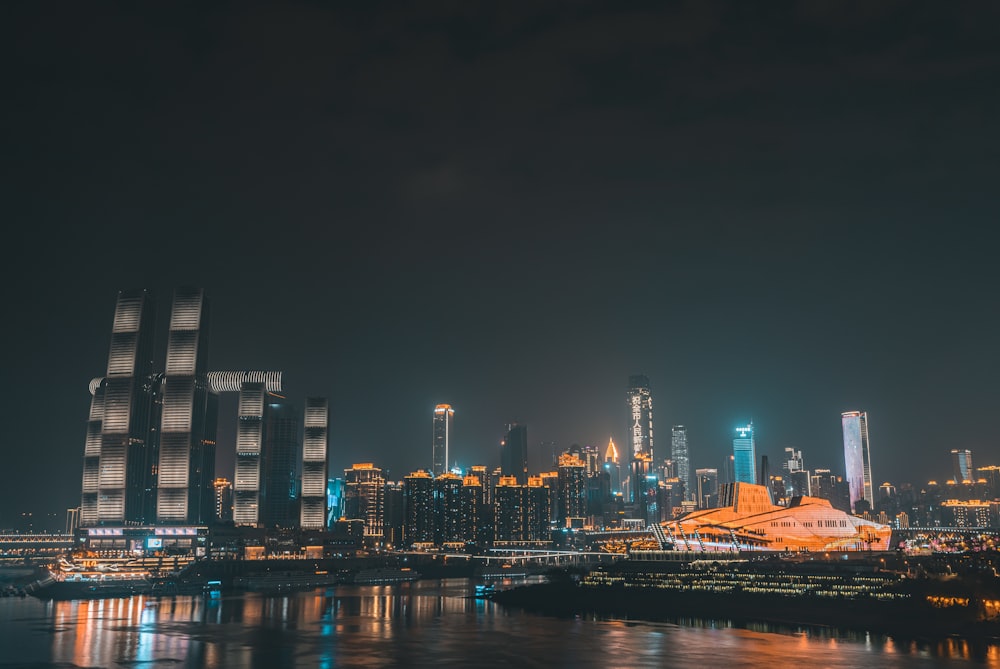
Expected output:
(908, 619)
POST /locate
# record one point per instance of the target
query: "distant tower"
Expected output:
(444, 417)
(186, 470)
(961, 462)
(708, 488)
(514, 453)
(117, 461)
(857, 457)
(314, 451)
(680, 457)
(797, 475)
(744, 455)
(612, 467)
(640, 403)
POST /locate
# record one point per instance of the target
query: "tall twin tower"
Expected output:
(151, 435)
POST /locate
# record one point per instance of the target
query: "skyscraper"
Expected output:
(744, 455)
(282, 466)
(364, 498)
(118, 455)
(514, 453)
(612, 467)
(679, 454)
(444, 417)
(314, 453)
(418, 509)
(640, 403)
(857, 457)
(961, 462)
(186, 470)
(249, 484)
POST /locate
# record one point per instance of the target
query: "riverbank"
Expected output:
(917, 613)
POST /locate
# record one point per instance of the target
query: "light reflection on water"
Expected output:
(418, 624)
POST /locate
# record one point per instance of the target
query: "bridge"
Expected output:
(28, 547)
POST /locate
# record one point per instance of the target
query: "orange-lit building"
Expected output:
(747, 520)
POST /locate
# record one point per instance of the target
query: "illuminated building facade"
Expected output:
(186, 470)
(643, 484)
(961, 462)
(248, 480)
(640, 403)
(418, 508)
(747, 520)
(444, 417)
(364, 498)
(316, 430)
(744, 456)
(680, 456)
(448, 528)
(119, 453)
(514, 453)
(223, 499)
(572, 488)
(612, 467)
(972, 513)
(857, 458)
(521, 511)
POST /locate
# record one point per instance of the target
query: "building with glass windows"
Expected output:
(744, 455)
(444, 418)
(857, 458)
(640, 404)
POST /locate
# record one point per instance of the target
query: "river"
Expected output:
(425, 623)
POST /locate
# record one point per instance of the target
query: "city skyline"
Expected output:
(779, 213)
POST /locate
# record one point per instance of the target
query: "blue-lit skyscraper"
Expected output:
(744, 455)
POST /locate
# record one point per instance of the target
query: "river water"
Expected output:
(426, 623)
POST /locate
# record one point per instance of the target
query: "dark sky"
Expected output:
(777, 211)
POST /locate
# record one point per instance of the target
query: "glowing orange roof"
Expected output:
(751, 520)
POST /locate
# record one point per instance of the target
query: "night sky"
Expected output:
(776, 211)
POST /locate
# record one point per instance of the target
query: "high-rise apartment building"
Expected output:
(572, 488)
(744, 455)
(364, 498)
(316, 430)
(679, 455)
(857, 458)
(448, 526)
(640, 404)
(514, 453)
(119, 455)
(521, 511)
(418, 508)
(444, 417)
